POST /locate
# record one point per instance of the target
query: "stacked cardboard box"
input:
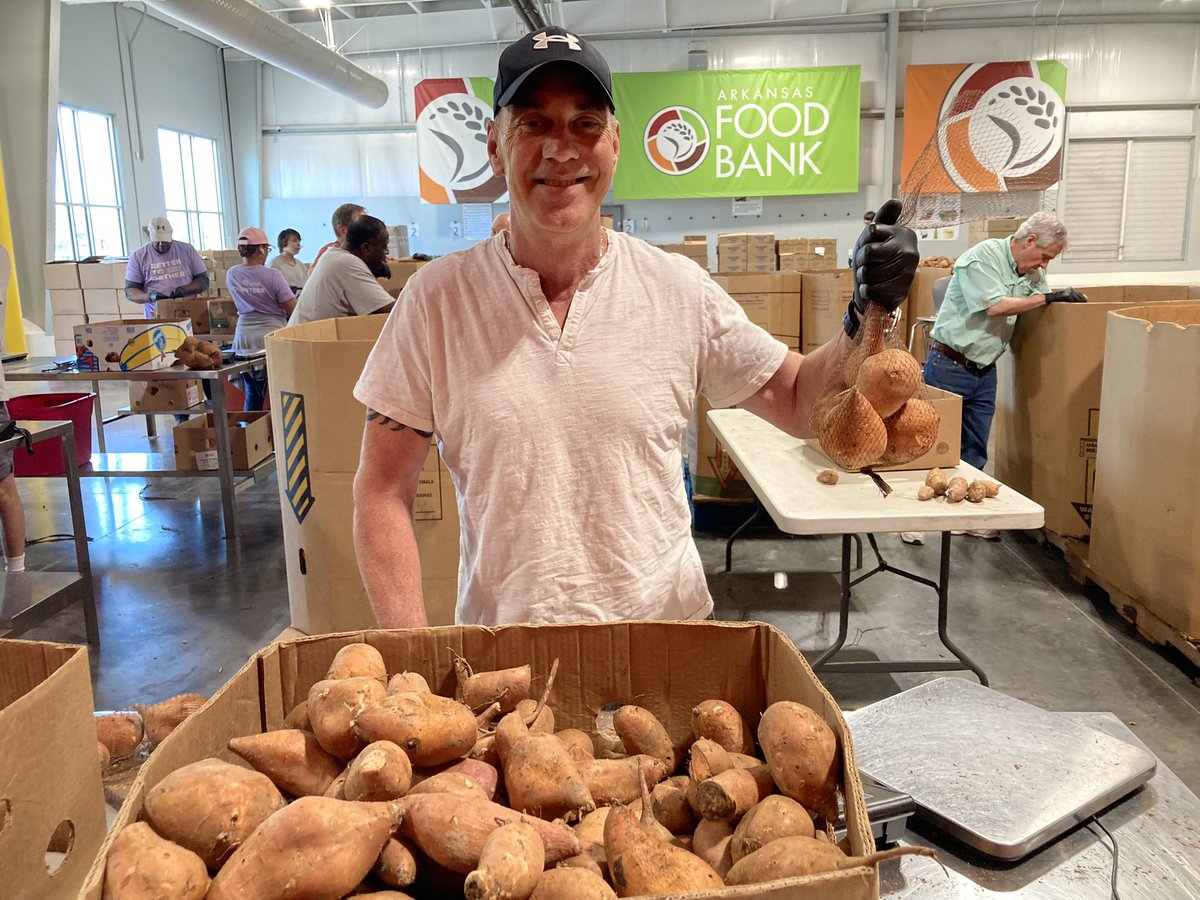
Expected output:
(746, 251)
(222, 317)
(194, 308)
(66, 304)
(985, 229)
(1147, 492)
(771, 301)
(1048, 408)
(318, 424)
(807, 254)
(696, 252)
(825, 296)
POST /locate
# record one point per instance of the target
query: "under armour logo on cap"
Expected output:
(552, 44)
(542, 41)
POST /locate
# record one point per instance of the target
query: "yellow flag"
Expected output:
(14, 326)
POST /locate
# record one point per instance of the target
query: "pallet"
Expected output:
(1133, 611)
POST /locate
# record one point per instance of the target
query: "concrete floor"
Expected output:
(181, 609)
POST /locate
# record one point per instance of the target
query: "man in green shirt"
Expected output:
(993, 283)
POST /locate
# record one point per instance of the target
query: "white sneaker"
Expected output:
(912, 537)
(986, 534)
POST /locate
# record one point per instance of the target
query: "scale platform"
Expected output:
(887, 811)
(996, 773)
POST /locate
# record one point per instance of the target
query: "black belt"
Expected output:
(952, 354)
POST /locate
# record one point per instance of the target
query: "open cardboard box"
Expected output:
(51, 798)
(666, 667)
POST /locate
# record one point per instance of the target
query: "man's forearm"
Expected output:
(1014, 306)
(197, 285)
(388, 559)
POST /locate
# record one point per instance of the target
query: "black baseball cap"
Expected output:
(552, 44)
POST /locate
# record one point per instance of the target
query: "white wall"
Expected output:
(163, 78)
(370, 156)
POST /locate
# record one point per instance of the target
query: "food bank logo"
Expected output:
(676, 140)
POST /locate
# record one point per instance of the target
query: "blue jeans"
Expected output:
(255, 390)
(978, 392)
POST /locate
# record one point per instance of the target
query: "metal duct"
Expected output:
(249, 28)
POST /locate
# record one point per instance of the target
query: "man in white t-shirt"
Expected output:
(558, 364)
(343, 284)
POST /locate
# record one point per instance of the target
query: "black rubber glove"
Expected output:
(177, 293)
(155, 296)
(1066, 295)
(885, 260)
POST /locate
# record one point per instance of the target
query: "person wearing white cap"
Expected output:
(164, 268)
(558, 364)
(264, 300)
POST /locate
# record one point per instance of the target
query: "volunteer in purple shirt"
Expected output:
(264, 300)
(164, 268)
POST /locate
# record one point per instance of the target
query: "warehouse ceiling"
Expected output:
(380, 26)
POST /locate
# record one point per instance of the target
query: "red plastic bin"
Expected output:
(47, 457)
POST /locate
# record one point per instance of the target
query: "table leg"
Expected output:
(858, 544)
(758, 510)
(98, 412)
(225, 462)
(151, 427)
(944, 610)
(844, 611)
(83, 560)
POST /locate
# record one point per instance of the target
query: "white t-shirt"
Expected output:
(564, 445)
(341, 286)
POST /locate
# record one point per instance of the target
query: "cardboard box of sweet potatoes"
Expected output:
(665, 667)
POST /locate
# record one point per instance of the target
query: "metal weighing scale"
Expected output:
(998, 774)
(887, 811)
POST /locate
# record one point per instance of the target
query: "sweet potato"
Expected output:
(161, 719)
(642, 864)
(543, 719)
(336, 789)
(572, 884)
(669, 801)
(729, 795)
(397, 865)
(291, 758)
(298, 717)
(450, 783)
(105, 756)
(333, 704)
(314, 848)
(616, 780)
(358, 661)
(775, 817)
(591, 858)
(712, 842)
(407, 681)
(510, 864)
(539, 775)
(579, 739)
(641, 732)
(888, 379)
(803, 755)
(210, 807)
(718, 721)
(451, 830)
(381, 772)
(707, 758)
(508, 687)
(432, 730)
(121, 733)
(789, 857)
(956, 489)
(143, 866)
(482, 773)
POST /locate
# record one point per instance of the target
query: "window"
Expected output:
(87, 187)
(1127, 199)
(192, 187)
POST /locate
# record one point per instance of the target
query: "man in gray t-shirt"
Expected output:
(343, 284)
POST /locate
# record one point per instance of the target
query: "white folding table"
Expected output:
(782, 470)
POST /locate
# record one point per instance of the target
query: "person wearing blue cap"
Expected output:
(558, 364)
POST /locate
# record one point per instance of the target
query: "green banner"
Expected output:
(758, 132)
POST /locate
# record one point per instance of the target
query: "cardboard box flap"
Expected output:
(27, 666)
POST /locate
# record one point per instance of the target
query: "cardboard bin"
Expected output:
(1146, 511)
(751, 665)
(50, 784)
(312, 371)
(1048, 414)
(249, 440)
